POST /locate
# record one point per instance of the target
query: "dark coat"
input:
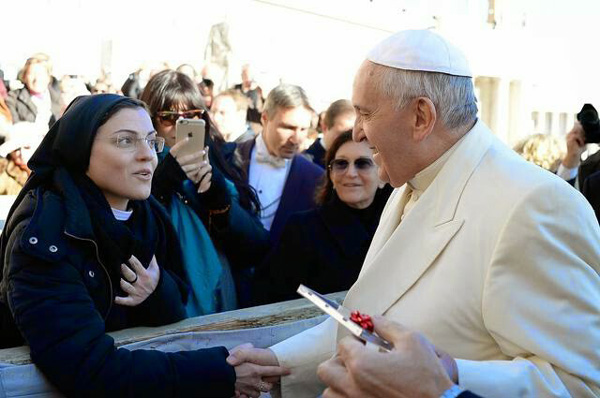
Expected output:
(23, 109)
(316, 152)
(62, 299)
(588, 167)
(591, 191)
(299, 189)
(323, 248)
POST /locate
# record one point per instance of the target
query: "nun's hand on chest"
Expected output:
(138, 282)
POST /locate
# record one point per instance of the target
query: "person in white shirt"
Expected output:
(284, 180)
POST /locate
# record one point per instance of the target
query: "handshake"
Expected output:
(256, 370)
(414, 368)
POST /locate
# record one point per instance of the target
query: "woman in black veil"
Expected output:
(86, 251)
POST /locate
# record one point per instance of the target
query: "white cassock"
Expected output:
(497, 263)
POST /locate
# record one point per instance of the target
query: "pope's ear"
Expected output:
(425, 118)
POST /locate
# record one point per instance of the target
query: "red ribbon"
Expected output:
(363, 320)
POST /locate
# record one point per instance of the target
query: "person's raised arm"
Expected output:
(575, 148)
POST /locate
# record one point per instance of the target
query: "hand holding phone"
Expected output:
(190, 153)
(192, 130)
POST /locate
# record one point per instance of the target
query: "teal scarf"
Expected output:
(200, 259)
(207, 270)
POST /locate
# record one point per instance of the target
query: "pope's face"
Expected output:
(385, 128)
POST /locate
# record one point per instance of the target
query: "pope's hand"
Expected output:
(257, 369)
(411, 369)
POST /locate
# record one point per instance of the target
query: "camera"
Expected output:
(588, 117)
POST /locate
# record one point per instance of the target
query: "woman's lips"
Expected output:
(143, 174)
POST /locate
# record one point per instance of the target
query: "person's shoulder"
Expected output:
(529, 188)
(37, 225)
(228, 149)
(15, 95)
(24, 211)
(244, 148)
(593, 159)
(313, 149)
(515, 174)
(308, 168)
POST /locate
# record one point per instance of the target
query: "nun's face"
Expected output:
(123, 171)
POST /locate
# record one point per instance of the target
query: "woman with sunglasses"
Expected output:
(86, 251)
(324, 248)
(213, 209)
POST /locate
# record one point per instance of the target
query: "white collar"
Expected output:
(263, 155)
(122, 215)
(322, 142)
(425, 177)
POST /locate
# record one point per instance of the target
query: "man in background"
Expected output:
(228, 111)
(284, 180)
(338, 118)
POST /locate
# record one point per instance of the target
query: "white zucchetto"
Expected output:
(420, 50)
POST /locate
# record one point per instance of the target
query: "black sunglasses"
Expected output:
(341, 165)
(172, 116)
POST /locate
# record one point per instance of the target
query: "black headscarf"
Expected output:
(68, 144)
(64, 155)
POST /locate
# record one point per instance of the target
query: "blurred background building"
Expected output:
(534, 61)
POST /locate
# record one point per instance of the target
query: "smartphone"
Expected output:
(193, 129)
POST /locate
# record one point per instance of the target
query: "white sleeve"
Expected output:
(541, 301)
(566, 173)
(302, 354)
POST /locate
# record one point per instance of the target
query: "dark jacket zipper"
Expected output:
(110, 297)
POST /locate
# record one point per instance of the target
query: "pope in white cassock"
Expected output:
(494, 259)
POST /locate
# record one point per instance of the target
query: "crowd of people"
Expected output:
(403, 197)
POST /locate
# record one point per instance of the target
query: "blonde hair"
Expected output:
(38, 58)
(543, 150)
